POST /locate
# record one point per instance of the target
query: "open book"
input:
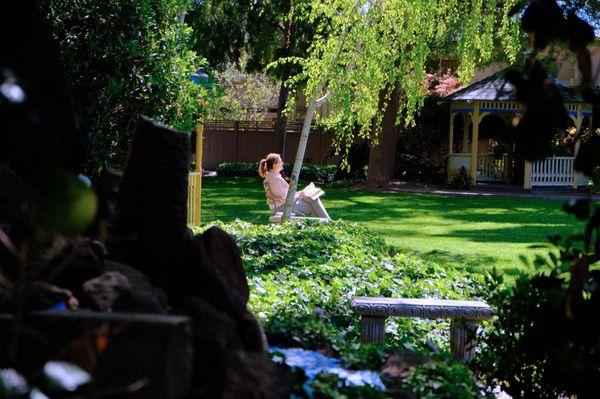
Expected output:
(313, 192)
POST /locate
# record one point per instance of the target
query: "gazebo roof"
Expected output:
(497, 88)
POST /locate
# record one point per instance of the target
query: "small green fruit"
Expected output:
(71, 206)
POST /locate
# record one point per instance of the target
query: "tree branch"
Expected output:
(323, 99)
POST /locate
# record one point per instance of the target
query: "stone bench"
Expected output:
(463, 314)
(276, 218)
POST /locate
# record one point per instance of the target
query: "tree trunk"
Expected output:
(289, 201)
(382, 157)
(281, 120)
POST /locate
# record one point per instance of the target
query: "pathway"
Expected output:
(488, 190)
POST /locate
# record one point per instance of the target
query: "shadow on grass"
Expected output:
(449, 258)
(472, 264)
(525, 234)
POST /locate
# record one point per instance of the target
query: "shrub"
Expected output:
(317, 173)
(544, 341)
(533, 348)
(428, 137)
(238, 169)
(302, 277)
(413, 168)
(460, 179)
(596, 181)
(357, 162)
(443, 378)
(124, 58)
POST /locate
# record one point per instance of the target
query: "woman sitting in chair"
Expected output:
(276, 190)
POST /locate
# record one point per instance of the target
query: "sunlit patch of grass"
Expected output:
(476, 233)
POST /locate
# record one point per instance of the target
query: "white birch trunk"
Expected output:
(308, 118)
(289, 200)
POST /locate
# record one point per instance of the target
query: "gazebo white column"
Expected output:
(475, 141)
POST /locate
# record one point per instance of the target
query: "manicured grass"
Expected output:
(478, 233)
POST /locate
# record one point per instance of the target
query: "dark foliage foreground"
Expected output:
(545, 342)
(122, 246)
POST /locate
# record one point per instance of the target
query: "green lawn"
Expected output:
(478, 233)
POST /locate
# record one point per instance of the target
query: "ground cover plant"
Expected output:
(475, 232)
(301, 293)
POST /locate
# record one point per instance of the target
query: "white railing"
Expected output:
(553, 171)
(490, 168)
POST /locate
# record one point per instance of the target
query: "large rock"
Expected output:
(218, 274)
(114, 291)
(401, 365)
(144, 297)
(256, 376)
(153, 353)
(252, 333)
(107, 189)
(228, 365)
(215, 342)
(109, 291)
(70, 262)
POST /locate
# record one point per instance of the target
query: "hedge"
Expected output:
(317, 173)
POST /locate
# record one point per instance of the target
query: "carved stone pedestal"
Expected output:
(372, 329)
(463, 338)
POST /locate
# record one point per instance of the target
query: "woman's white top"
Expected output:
(276, 189)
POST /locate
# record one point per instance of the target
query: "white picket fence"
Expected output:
(555, 171)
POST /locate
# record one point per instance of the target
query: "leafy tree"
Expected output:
(262, 30)
(242, 96)
(124, 58)
(294, 38)
(219, 29)
(382, 158)
(363, 51)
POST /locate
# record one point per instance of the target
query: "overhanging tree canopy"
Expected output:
(365, 48)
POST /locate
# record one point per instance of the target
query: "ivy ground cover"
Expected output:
(476, 233)
(301, 293)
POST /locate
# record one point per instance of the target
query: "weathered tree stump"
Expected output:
(151, 231)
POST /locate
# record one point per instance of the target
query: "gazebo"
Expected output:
(495, 96)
